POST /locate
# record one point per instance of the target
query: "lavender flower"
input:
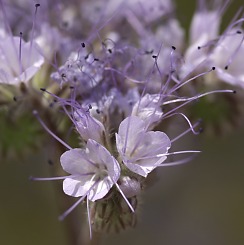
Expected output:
(141, 150)
(19, 61)
(93, 171)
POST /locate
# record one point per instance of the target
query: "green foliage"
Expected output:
(19, 134)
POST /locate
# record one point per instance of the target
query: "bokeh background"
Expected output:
(201, 202)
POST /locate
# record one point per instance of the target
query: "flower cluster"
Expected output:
(121, 74)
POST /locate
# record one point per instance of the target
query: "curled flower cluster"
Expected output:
(121, 78)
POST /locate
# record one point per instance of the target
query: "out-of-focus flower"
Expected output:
(18, 63)
(228, 58)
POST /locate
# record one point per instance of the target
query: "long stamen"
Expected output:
(191, 129)
(47, 179)
(35, 113)
(188, 100)
(67, 212)
(20, 54)
(188, 121)
(33, 30)
(176, 153)
(89, 217)
(123, 195)
(175, 163)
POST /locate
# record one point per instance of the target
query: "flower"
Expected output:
(228, 58)
(148, 109)
(141, 150)
(93, 171)
(18, 65)
(88, 126)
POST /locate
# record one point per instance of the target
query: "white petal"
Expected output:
(76, 187)
(101, 189)
(75, 162)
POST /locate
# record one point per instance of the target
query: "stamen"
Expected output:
(188, 121)
(188, 100)
(128, 203)
(35, 113)
(67, 212)
(89, 218)
(175, 163)
(47, 179)
(191, 129)
(20, 48)
(33, 30)
(176, 153)
(189, 80)
(126, 135)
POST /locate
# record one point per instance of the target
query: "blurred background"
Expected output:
(201, 202)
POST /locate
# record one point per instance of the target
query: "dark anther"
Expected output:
(14, 98)
(71, 87)
(83, 45)
(234, 92)
(198, 47)
(200, 130)
(96, 59)
(86, 57)
(90, 107)
(226, 67)
(21, 33)
(110, 51)
(43, 89)
(213, 68)
(54, 100)
(98, 111)
(50, 162)
(63, 75)
(238, 32)
(155, 56)
(37, 5)
(173, 47)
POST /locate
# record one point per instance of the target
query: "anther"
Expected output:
(238, 32)
(43, 89)
(173, 47)
(83, 45)
(37, 5)
(154, 56)
(110, 51)
(50, 162)
(14, 98)
(213, 68)
(198, 47)
(96, 59)
(226, 67)
(200, 130)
